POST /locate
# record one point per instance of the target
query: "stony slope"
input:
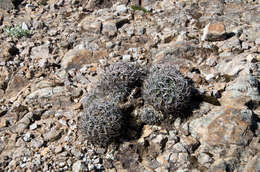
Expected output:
(45, 76)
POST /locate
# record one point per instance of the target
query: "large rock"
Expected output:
(242, 91)
(232, 65)
(181, 53)
(214, 32)
(224, 127)
(76, 58)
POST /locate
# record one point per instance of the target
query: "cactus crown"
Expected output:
(102, 122)
(166, 89)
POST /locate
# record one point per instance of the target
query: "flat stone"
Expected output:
(178, 148)
(46, 92)
(214, 32)
(243, 88)
(33, 126)
(232, 65)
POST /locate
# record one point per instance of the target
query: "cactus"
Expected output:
(148, 115)
(120, 77)
(166, 89)
(102, 122)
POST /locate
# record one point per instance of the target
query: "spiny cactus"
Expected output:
(115, 82)
(148, 115)
(166, 89)
(102, 122)
(120, 78)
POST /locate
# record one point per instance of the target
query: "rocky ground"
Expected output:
(46, 72)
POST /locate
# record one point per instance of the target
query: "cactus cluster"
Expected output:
(103, 117)
(166, 89)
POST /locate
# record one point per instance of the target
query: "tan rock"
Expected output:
(4, 75)
(214, 32)
(229, 128)
(223, 127)
(189, 143)
(15, 85)
(78, 58)
(91, 24)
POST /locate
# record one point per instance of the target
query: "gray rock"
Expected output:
(6, 4)
(253, 164)
(204, 159)
(257, 41)
(121, 8)
(247, 85)
(109, 28)
(127, 58)
(27, 137)
(177, 123)
(178, 148)
(33, 126)
(79, 166)
(37, 143)
(52, 135)
(210, 77)
(40, 52)
(78, 154)
(23, 123)
(232, 65)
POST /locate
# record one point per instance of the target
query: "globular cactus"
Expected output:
(102, 122)
(148, 115)
(120, 78)
(115, 82)
(166, 89)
